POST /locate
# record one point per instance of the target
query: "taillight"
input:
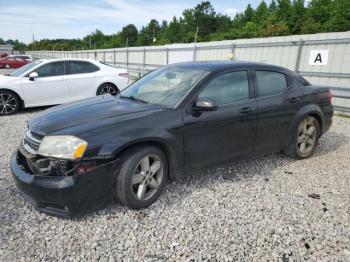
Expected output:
(330, 96)
(124, 75)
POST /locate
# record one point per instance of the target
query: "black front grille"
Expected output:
(31, 142)
(36, 136)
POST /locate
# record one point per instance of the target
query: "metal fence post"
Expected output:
(194, 53)
(297, 62)
(144, 58)
(114, 62)
(167, 56)
(233, 51)
(127, 57)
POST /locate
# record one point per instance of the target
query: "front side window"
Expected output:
(227, 88)
(270, 83)
(51, 69)
(80, 67)
(165, 86)
(25, 68)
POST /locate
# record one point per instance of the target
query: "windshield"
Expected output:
(165, 86)
(24, 68)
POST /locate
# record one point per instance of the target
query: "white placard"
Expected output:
(318, 57)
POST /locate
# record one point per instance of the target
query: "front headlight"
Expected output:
(64, 147)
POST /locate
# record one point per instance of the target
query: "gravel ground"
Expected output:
(270, 208)
(5, 71)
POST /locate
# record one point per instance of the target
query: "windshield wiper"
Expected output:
(135, 99)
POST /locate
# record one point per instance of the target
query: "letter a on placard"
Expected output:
(318, 58)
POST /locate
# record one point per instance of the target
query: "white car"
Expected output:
(58, 81)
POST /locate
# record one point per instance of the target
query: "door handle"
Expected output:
(294, 99)
(245, 110)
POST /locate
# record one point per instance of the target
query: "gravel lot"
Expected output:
(270, 208)
(5, 71)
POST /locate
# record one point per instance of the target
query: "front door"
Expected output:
(227, 133)
(51, 87)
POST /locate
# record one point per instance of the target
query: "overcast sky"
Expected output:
(19, 19)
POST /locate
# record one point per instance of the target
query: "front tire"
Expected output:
(107, 88)
(9, 103)
(7, 66)
(142, 176)
(305, 138)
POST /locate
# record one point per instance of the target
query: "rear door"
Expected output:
(82, 79)
(51, 87)
(278, 100)
(228, 132)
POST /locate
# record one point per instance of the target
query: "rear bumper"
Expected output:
(65, 196)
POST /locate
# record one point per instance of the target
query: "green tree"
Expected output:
(320, 12)
(284, 11)
(129, 34)
(297, 16)
(248, 14)
(339, 16)
(202, 16)
(310, 26)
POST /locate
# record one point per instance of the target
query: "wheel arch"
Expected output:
(22, 105)
(308, 110)
(173, 162)
(107, 82)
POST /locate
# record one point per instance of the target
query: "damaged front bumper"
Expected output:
(65, 196)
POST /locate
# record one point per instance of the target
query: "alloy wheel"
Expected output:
(307, 135)
(108, 89)
(147, 177)
(8, 104)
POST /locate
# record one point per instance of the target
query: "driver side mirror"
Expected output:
(33, 75)
(204, 104)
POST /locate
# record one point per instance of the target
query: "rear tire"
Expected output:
(107, 88)
(142, 176)
(9, 103)
(305, 138)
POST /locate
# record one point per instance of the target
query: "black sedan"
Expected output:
(178, 118)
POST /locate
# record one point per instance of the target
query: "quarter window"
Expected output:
(51, 69)
(302, 80)
(270, 83)
(227, 88)
(81, 67)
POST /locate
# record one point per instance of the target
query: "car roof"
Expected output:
(224, 64)
(67, 59)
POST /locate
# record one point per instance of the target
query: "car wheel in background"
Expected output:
(142, 176)
(107, 88)
(9, 102)
(7, 66)
(305, 140)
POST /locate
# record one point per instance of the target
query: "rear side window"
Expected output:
(80, 67)
(51, 69)
(270, 83)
